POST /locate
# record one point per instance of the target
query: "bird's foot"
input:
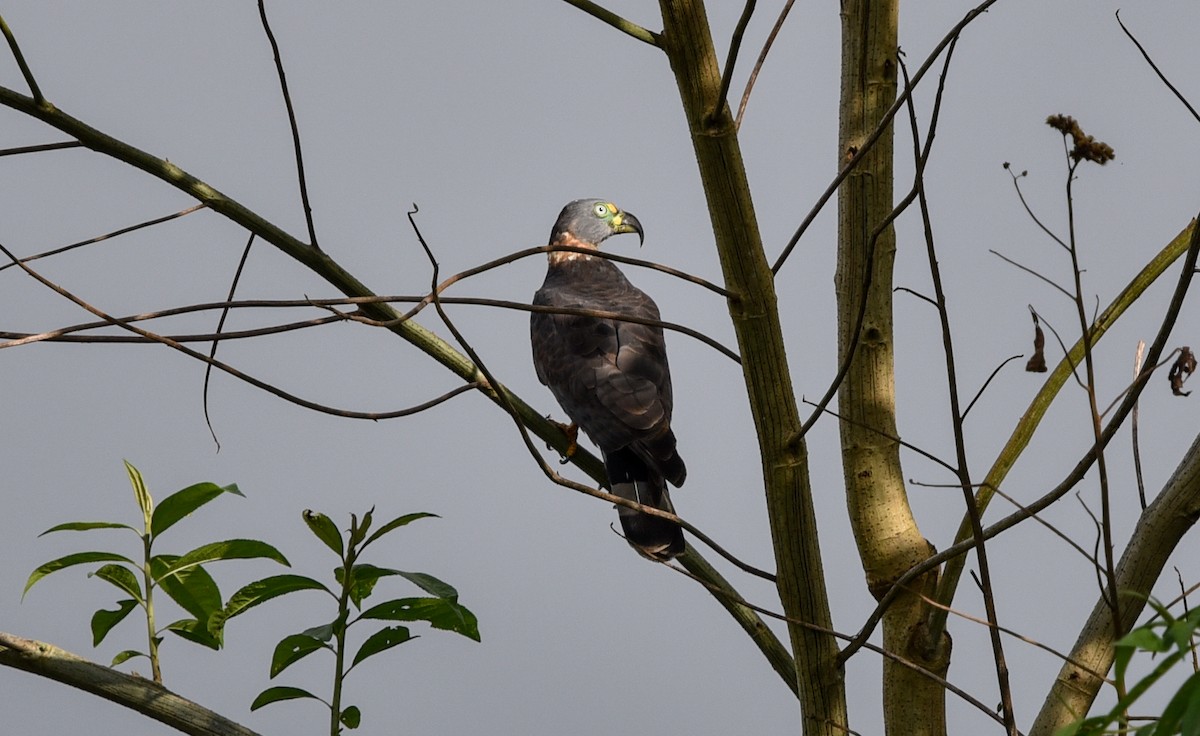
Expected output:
(572, 432)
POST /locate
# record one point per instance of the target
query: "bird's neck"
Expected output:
(566, 256)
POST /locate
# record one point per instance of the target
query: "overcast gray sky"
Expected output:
(491, 116)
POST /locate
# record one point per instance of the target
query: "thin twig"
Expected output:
(1154, 66)
(1016, 180)
(1029, 270)
(39, 148)
(1089, 363)
(921, 157)
(915, 293)
(735, 46)
(18, 338)
(1028, 640)
(212, 353)
(291, 113)
(616, 21)
(274, 390)
(1133, 419)
(762, 58)
(34, 90)
(106, 236)
(891, 438)
(983, 388)
(1191, 635)
(1091, 558)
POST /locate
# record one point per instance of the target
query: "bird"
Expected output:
(611, 376)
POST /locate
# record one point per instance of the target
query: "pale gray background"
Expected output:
(491, 116)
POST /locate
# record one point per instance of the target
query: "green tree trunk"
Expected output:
(887, 536)
(754, 312)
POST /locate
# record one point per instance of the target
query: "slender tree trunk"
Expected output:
(754, 313)
(888, 539)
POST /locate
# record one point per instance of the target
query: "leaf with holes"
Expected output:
(441, 613)
(381, 641)
(292, 649)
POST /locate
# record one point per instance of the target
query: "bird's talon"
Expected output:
(572, 432)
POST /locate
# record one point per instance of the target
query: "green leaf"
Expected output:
(83, 526)
(181, 503)
(324, 632)
(441, 613)
(1182, 714)
(276, 694)
(326, 531)
(192, 588)
(122, 577)
(292, 649)
(103, 620)
(194, 631)
(430, 584)
(126, 655)
(78, 558)
(260, 591)
(357, 530)
(230, 549)
(380, 641)
(351, 717)
(362, 581)
(397, 523)
(145, 503)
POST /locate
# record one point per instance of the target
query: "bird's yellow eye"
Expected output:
(601, 210)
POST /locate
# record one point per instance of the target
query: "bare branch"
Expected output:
(20, 58)
(1133, 419)
(130, 691)
(983, 388)
(107, 236)
(291, 113)
(230, 369)
(617, 22)
(735, 46)
(39, 148)
(762, 58)
(1029, 270)
(1146, 56)
(212, 353)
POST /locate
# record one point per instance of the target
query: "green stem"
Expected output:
(339, 635)
(151, 633)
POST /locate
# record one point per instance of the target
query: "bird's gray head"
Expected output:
(587, 222)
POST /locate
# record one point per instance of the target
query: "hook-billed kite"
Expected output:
(611, 376)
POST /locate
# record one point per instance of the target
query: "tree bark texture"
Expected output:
(753, 310)
(888, 539)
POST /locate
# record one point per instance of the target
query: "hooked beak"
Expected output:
(625, 222)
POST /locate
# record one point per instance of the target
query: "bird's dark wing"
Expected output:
(610, 376)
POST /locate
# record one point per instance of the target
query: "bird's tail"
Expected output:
(652, 536)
